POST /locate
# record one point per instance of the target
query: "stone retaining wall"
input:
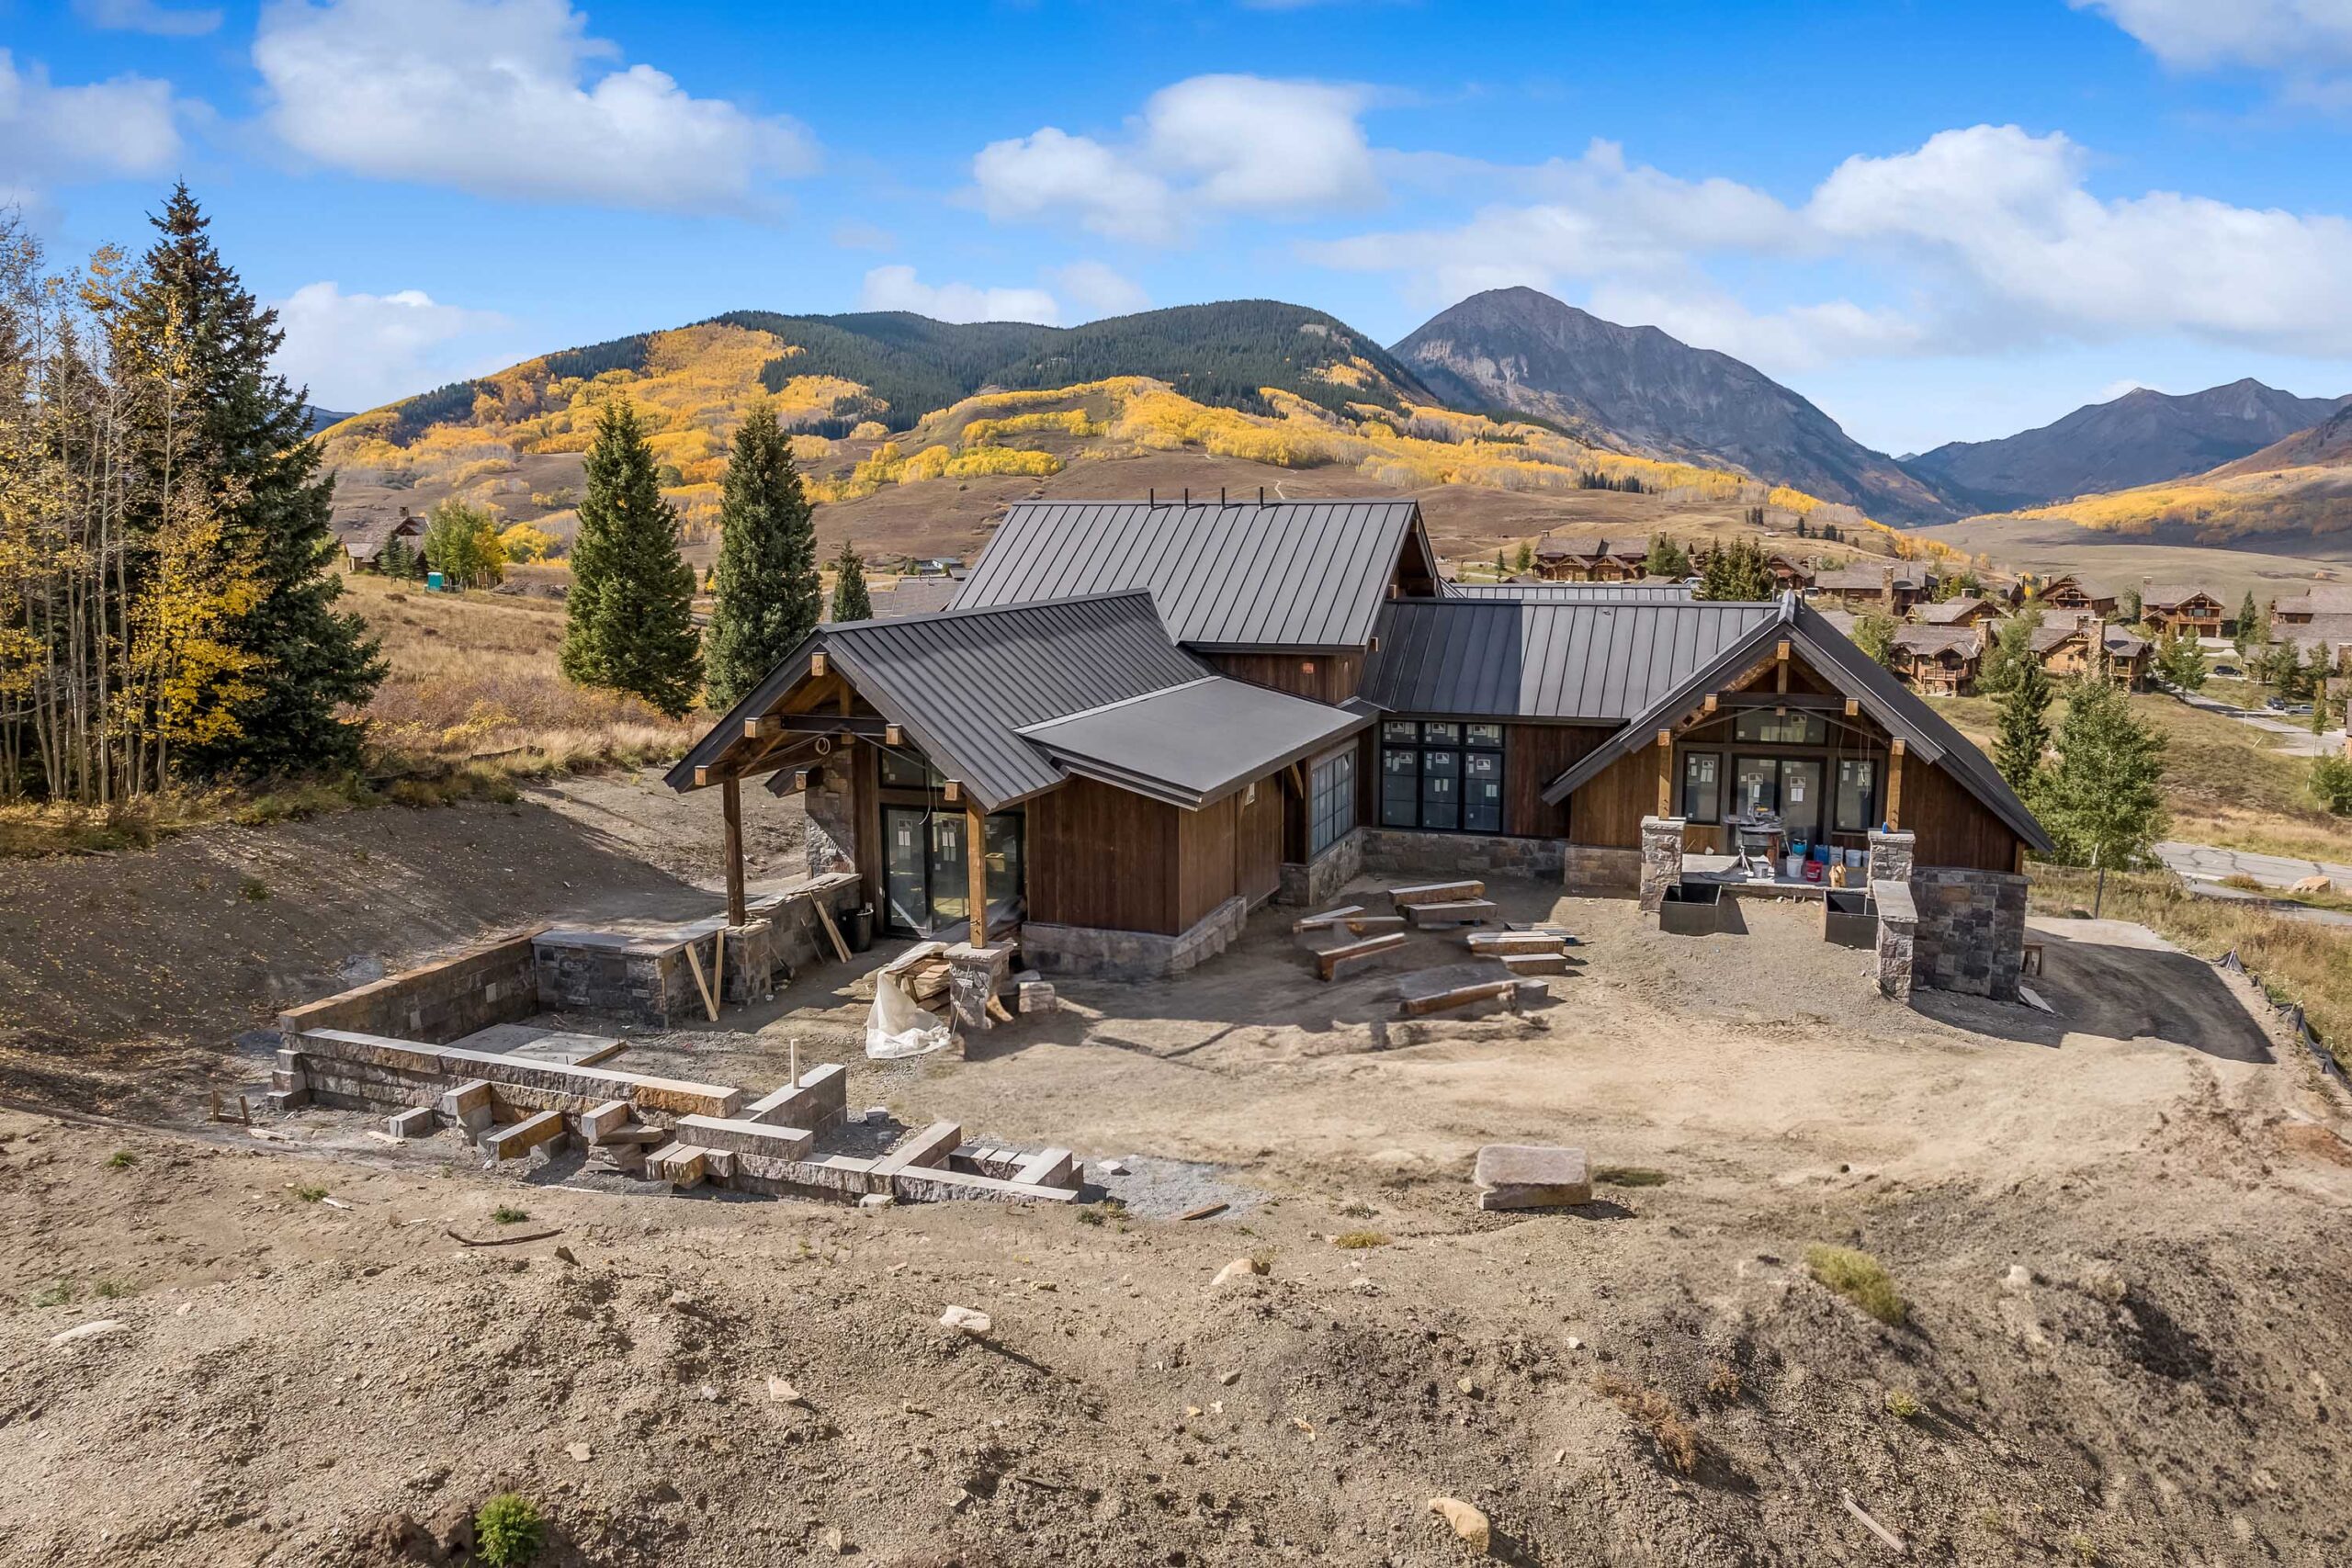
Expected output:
(1416, 852)
(494, 982)
(1104, 954)
(1315, 885)
(1593, 871)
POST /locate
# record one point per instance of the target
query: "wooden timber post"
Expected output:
(730, 804)
(1665, 772)
(1894, 786)
(975, 871)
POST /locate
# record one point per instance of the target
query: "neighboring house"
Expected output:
(2077, 596)
(363, 537)
(2311, 606)
(2330, 636)
(1965, 611)
(1788, 572)
(2063, 647)
(1591, 558)
(895, 601)
(1891, 588)
(1140, 721)
(2191, 611)
(1939, 661)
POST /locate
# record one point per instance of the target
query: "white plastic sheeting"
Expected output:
(897, 1027)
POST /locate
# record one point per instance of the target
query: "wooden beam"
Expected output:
(1895, 785)
(817, 663)
(1665, 772)
(893, 737)
(730, 810)
(975, 873)
(777, 723)
(1853, 708)
(952, 791)
(1710, 703)
(1780, 664)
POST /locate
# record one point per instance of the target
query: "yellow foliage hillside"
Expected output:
(2298, 500)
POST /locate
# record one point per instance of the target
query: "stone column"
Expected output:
(1891, 856)
(1661, 859)
(1899, 934)
(831, 802)
(973, 975)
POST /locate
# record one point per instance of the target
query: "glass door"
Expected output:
(906, 851)
(1755, 785)
(1800, 799)
(926, 869)
(949, 871)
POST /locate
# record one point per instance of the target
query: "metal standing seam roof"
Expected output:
(1855, 674)
(1646, 593)
(1193, 744)
(1243, 575)
(1594, 661)
(961, 684)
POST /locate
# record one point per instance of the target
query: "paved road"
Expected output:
(2295, 734)
(2209, 863)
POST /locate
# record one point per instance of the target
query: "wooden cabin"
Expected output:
(1940, 661)
(2311, 605)
(2077, 596)
(1139, 721)
(1965, 610)
(1891, 588)
(2189, 611)
(1591, 558)
(2065, 649)
(365, 536)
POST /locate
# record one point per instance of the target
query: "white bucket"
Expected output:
(1795, 867)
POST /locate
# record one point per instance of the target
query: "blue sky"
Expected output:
(1939, 222)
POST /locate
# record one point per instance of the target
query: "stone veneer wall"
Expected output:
(1593, 871)
(1972, 930)
(1100, 953)
(1317, 883)
(1898, 932)
(832, 803)
(496, 982)
(1458, 854)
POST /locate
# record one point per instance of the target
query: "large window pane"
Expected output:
(1857, 777)
(1763, 727)
(1483, 735)
(1401, 793)
(1452, 782)
(1333, 801)
(1702, 786)
(1756, 785)
(1403, 732)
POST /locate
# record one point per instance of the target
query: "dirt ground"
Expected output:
(2118, 1229)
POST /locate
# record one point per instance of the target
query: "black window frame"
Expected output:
(1838, 823)
(1331, 800)
(1444, 750)
(1717, 784)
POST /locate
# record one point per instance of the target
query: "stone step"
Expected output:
(1451, 912)
(1536, 963)
(1496, 944)
(519, 1138)
(1437, 893)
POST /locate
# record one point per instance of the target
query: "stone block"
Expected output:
(517, 1139)
(931, 1146)
(1037, 996)
(467, 1098)
(1661, 859)
(746, 1137)
(417, 1122)
(1531, 1176)
(610, 1117)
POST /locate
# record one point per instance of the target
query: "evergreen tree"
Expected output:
(2130, 606)
(2249, 626)
(1667, 558)
(1874, 635)
(767, 588)
(2022, 733)
(392, 561)
(1526, 556)
(630, 617)
(251, 442)
(2101, 800)
(2182, 661)
(1737, 573)
(851, 601)
(2011, 654)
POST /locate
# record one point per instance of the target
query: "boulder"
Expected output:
(1476, 1531)
(1531, 1176)
(1239, 1269)
(2312, 884)
(966, 1321)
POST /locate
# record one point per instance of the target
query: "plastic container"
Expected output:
(861, 927)
(1795, 867)
(1854, 857)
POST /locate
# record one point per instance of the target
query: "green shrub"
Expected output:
(2331, 784)
(508, 1214)
(122, 1159)
(1860, 1279)
(509, 1530)
(1902, 1405)
(1357, 1241)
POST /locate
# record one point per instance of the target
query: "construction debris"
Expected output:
(1453, 985)
(1495, 945)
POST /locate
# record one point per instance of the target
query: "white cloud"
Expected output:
(502, 97)
(2307, 43)
(99, 131)
(147, 17)
(1985, 237)
(1204, 146)
(1097, 290)
(898, 288)
(357, 351)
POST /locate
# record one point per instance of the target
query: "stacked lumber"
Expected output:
(922, 973)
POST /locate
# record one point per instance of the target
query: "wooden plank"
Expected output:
(1365, 925)
(1553, 963)
(1326, 920)
(817, 663)
(1436, 892)
(694, 963)
(1332, 962)
(1895, 785)
(1452, 986)
(731, 812)
(832, 932)
(975, 873)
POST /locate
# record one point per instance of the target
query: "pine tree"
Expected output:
(251, 442)
(1526, 556)
(1737, 573)
(2023, 728)
(851, 601)
(1667, 560)
(629, 616)
(2101, 801)
(1874, 635)
(392, 560)
(2249, 626)
(2181, 661)
(767, 589)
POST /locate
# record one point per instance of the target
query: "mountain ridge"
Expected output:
(1524, 351)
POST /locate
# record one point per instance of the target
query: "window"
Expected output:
(1448, 777)
(1857, 788)
(1702, 789)
(904, 770)
(1332, 801)
(1763, 727)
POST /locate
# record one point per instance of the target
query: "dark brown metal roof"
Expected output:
(1658, 591)
(1596, 662)
(1194, 744)
(1281, 574)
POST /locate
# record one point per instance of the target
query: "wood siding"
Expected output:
(1607, 810)
(1258, 843)
(1320, 677)
(1101, 856)
(1953, 826)
(1533, 755)
(1204, 859)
